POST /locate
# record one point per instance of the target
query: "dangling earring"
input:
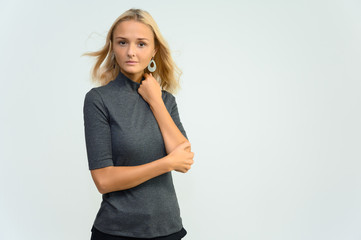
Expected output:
(152, 69)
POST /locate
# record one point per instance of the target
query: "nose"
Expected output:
(131, 50)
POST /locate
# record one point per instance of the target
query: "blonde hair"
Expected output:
(167, 72)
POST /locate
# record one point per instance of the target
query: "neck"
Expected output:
(136, 77)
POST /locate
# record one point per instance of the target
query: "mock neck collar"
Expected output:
(127, 83)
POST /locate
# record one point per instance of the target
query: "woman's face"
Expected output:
(133, 46)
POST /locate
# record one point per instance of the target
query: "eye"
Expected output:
(121, 42)
(142, 44)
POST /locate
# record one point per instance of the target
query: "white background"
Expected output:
(270, 101)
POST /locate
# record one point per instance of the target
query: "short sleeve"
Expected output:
(97, 131)
(175, 116)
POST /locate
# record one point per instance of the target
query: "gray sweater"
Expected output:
(121, 130)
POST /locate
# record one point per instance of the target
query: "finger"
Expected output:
(186, 144)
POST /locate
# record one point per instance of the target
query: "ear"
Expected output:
(155, 51)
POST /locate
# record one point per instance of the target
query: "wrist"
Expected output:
(156, 104)
(168, 162)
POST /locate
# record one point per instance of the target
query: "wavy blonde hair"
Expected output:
(167, 72)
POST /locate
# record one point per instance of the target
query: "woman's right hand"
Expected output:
(181, 158)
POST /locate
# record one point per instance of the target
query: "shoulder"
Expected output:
(98, 93)
(167, 96)
(92, 95)
(168, 100)
(95, 97)
(94, 105)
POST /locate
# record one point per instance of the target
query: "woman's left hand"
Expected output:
(150, 89)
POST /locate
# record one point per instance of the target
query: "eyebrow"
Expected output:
(137, 38)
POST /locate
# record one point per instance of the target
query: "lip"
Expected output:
(131, 62)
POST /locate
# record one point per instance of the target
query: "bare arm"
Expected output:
(172, 136)
(115, 178)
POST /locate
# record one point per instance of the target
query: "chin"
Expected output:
(132, 70)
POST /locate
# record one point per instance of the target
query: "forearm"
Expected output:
(172, 136)
(125, 177)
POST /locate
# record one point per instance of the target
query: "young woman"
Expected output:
(134, 135)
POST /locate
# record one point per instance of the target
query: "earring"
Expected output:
(152, 69)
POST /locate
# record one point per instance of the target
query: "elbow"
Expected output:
(101, 189)
(100, 179)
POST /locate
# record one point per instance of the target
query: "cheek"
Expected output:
(119, 55)
(147, 58)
